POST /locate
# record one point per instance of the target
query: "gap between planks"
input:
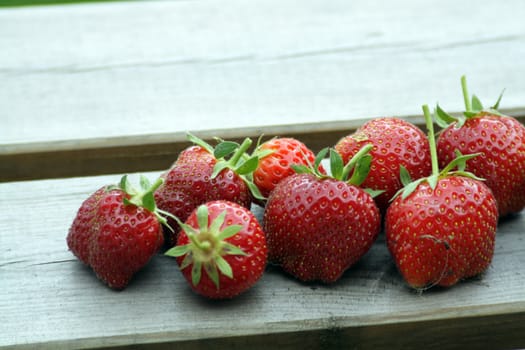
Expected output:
(123, 154)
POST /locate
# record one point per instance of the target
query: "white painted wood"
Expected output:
(49, 300)
(97, 71)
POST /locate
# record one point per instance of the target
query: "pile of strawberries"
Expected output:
(438, 200)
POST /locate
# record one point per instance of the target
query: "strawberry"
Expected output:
(499, 139)
(224, 240)
(80, 232)
(276, 159)
(117, 230)
(396, 143)
(318, 226)
(202, 174)
(193, 153)
(441, 229)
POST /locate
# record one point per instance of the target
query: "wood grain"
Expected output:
(126, 74)
(49, 300)
(113, 87)
(62, 159)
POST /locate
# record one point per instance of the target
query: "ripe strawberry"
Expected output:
(318, 226)
(202, 174)
(226, 241)
(441, 229)
(500, 140)
(193, 153)
(80, 232)
(276, 159)
(396, 143)
(117, 230)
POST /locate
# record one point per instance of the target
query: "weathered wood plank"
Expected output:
(50, 300)
(110, 72)
(60, 159)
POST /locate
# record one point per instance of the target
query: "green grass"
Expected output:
(16, 3)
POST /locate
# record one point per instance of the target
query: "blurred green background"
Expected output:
(14, 3)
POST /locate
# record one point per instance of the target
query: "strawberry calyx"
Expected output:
(473, 108)
(143, 197)
(234, 156)
(261, 152)
(207, 247)
(459, 163)
(200, 142)
(354, 172)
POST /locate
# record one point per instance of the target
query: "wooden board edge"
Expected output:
(142, 153)
(492, 331)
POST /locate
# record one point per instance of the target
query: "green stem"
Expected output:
(351, 164)
(196, 242)
(240, 151)
(431, 140)
(199, 142)
(156, 184)
(466, 97)
(137, 197)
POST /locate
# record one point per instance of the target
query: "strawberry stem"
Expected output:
(156, 184)
(431, 140)
(466, 97)
(199, 142)
(352, 162)
(144, 197)
(240, 151)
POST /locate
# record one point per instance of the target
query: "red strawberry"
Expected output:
(202, 174)
(441, 229)
(276, 159)
(116, 231)
(500, 140)
(318, 226)
(80, 232)
(396, 143)
(194, 153)
(224, 240)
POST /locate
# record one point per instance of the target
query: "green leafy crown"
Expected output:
(207, 247)
(234, 156)
(354, 172)
(143, 196)
(459, 163)
(473, 108)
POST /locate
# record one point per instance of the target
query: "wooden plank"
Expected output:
(61, 159)
(49, 300)
(121, 73)
(141, 153)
